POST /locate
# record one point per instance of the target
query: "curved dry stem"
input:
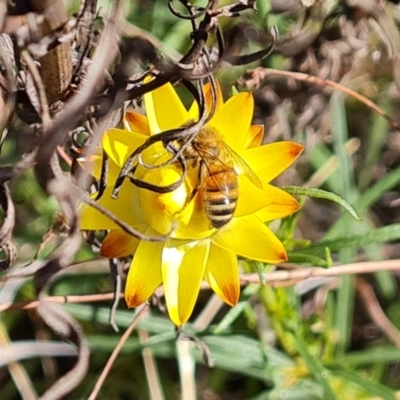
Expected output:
(254, 77)
(141, 314)
(375, 311)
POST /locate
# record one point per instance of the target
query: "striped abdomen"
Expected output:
(220, 193)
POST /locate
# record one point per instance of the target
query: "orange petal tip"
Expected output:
(231, 295)
(136, 122)
(133, 301)
(295, 149)
(118, 244)
(282, 257)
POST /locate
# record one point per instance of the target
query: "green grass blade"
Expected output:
(321, 194)
(299, 258)
(377, 137)
(375, 355)
(365, 201)
(346, 290)
(373, 388)
(379, 235)
(316, 368)
(344, 311)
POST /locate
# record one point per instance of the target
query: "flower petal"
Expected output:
(233, 120)
(92, 164)
(282, 205)
(250, 238)
(135, 122)
(251, 198)
(119, 144)
(194, 109)
(144, 274)
(162, 209)
(118, 243)
(192, 222)
(182, 272)
(222, 274)
(126, 208)
(254, 136)
(270, 160)
(164, 109)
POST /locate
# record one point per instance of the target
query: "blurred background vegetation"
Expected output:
(321, 338)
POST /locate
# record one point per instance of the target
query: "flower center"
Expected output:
(179, 213)
(161, 209)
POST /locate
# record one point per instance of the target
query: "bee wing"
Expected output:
(212, 163)
(228, 159)
(241, 167)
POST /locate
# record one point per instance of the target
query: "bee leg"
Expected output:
(191, 195)
(195, 190)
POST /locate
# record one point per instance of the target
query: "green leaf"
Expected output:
(299, 258)
(244, 355)
(321, 194)
(379, 235)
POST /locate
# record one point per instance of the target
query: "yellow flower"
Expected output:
(193, 249)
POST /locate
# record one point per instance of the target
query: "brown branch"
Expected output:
(275, 278)
(296, 275)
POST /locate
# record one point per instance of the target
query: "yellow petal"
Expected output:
(194, 109)
(250, 238)
(119, 144)
(270, 160)
(182, 272)
(126, 208)
(118, 243)
(254, 136)
(222, 273)
(251, 198)
(164, 109)
(192, 222)
(282, 205)
(92, 164)
(135, 122)
(233, 120)
(162, 209)
(144, 274)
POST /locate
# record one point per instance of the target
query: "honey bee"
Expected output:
(218, 169)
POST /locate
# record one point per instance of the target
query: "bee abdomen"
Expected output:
(219, 218)
(219, 205)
